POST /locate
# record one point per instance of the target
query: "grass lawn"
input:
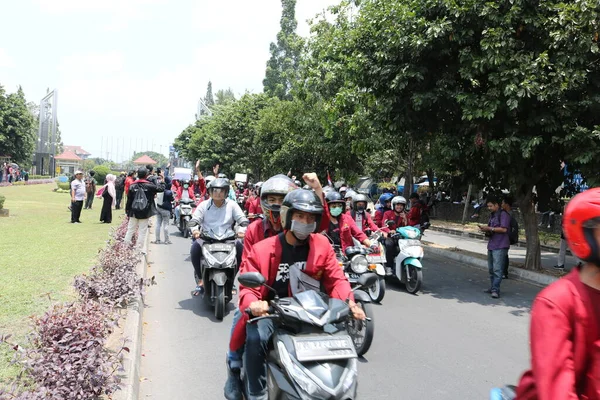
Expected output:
(40, 253)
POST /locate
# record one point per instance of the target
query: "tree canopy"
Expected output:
(18, 132)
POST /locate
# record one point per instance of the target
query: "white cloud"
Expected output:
(6, 61)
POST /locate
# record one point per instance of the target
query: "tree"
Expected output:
(17, 127)
(514, 86)
(208, 99)
(161, 160)
(223, 97)
(283, 65)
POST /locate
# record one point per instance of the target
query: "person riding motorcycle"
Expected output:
(416, 209)
(385, 204)
(300, 212)
(396, 217)
(217, 213)
(363, 219)
(349, 197)
(253, 207)
(565, 316)
(342, 227)
(184, 192)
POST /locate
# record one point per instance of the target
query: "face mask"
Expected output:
(302, 230)
(335, 211)
(360, 209)
(185, 186)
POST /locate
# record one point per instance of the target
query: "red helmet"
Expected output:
(582, 214)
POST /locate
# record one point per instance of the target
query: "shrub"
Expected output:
(68, 359)
(64, 185)
(39, 177)
(2, 199)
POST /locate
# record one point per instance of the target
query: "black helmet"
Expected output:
(300, 200)
(275, 185)
(219, 183)
(334, 197)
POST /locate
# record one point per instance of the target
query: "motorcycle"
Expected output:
(219, 265)
(407, 266)
(185, 215)
(376, 258)
(312, 353)
(506, 393)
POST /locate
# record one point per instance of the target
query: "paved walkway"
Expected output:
(516, 254)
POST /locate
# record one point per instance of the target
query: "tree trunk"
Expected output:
(467, 204)
(409, 174)
(533, 259)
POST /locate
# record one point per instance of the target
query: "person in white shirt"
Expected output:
(218, 213)
(77, 197)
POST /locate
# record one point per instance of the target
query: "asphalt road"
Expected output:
(449, 342)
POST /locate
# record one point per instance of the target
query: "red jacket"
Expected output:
(367, 221)
(379, 216)
(128, 181)
(399, 220)
(190, 191)
(265, 258)
(348, 230)
(257, 231)
(414, 214)
(565, 361)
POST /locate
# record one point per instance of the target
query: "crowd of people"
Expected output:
(13, 173)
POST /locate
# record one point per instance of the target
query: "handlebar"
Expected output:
(253, 319)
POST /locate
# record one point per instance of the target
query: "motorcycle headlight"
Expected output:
(306, 384)
(359, 264)
(413, 251)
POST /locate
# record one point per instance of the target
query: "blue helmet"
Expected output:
(385, 198)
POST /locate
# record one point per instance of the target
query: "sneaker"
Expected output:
(156, 242)
(233, 386)
(388, 271)
(559, 267)
(168, 242)
(495, 295)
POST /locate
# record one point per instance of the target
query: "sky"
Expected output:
(129, 73)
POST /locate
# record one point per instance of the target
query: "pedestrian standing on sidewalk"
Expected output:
(497, 230)
(507, 203)
(163, 213)
(141, 209)
(77, 197)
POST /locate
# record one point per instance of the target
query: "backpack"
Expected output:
(89, 185)
(120, 183)
(513, 232)
(140, 203)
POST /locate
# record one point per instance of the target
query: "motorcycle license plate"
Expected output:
(221, 247)
(353, 277)
(316, 348)
(376, 259)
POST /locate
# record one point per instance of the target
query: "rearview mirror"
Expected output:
(251, 279)
(367, 280)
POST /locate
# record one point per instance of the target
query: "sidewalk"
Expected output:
(516, 254)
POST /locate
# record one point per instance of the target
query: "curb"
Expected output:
(130, 384)
(519, 274)
(457, 232)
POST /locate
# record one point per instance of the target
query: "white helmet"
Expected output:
(398, 200)
(209, 179)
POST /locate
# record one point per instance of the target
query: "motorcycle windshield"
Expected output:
(312, 303)
(220, 233)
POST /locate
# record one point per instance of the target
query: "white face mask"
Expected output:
(301, 230)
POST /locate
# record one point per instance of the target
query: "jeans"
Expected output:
(562, 253)
(235, 357)
(496, 260)
(89, 200)
(177, 215)
(142, 225)
(118, 200)
(162, 220)
(76, 210)
(257, 342)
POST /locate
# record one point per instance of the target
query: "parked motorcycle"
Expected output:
(312, 353)
(407, 265)
(185, 215)
(219, 265)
